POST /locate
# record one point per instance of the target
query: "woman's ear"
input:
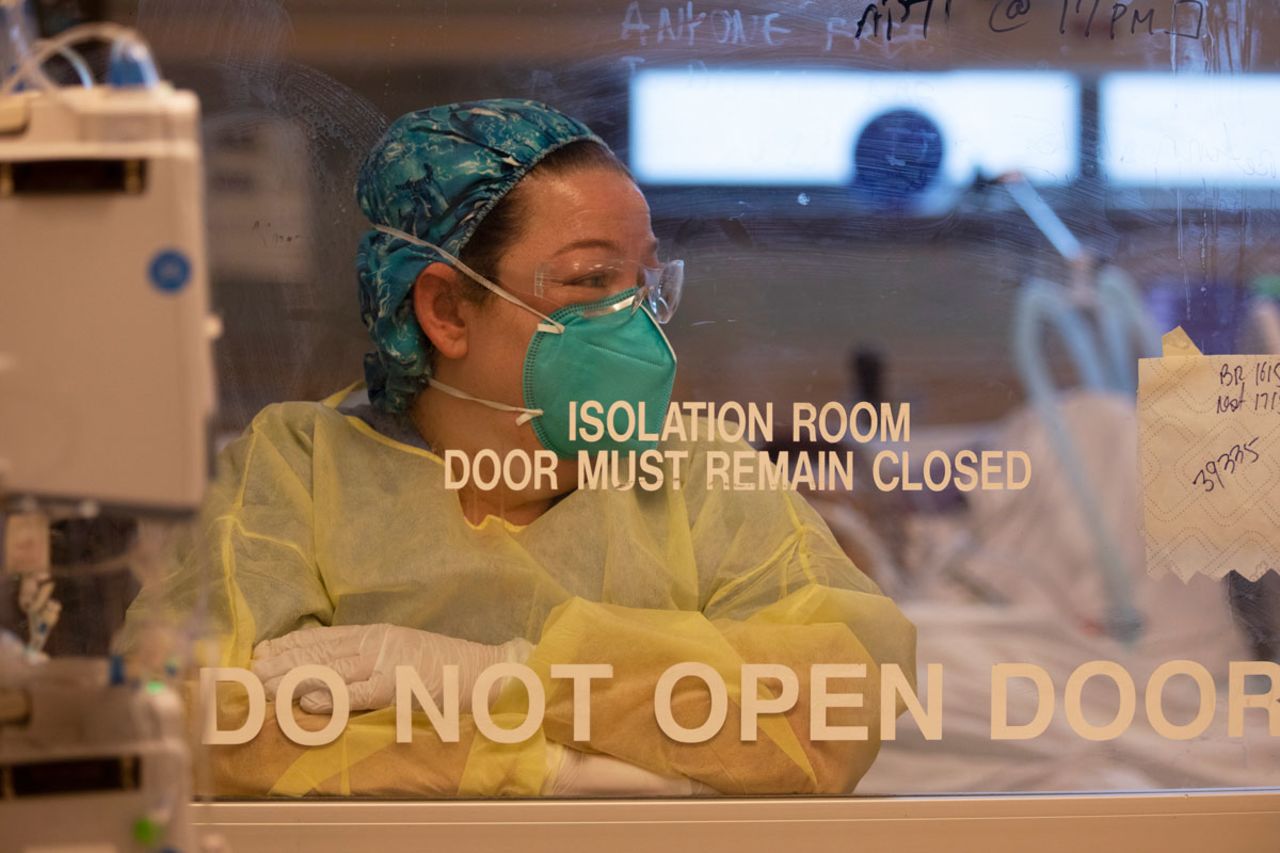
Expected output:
(437, 303)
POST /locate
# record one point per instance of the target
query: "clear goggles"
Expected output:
(567, 282)
(578, 281)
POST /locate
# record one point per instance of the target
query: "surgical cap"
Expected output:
(435, 174)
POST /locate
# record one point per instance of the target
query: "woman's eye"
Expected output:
(599, 279)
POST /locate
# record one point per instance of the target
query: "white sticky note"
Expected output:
(1209, 445)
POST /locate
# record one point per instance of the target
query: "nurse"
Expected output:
(510, 269)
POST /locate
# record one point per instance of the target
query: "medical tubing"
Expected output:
(44, 50)
(1124, 322)
(135, 49)
(1043, 302)
(11, 24)
(1049, 223)
(1121, 365)
(77, 63)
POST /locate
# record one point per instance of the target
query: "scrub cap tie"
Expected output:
(434, 175)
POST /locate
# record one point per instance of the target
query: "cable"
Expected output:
(15, 34)
(31, 64)
(76, 61)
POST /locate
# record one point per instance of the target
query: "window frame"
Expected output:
(1246, 819)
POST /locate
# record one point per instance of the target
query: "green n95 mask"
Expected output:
(606, 352)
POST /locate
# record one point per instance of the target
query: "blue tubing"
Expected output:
(1044, 303)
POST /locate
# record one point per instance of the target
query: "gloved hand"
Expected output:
(571, 773)
(366, 657)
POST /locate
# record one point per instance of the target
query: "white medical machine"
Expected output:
(106, 387)
(105, 370)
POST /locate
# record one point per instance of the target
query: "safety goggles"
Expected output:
(577, 281)
(573, 281)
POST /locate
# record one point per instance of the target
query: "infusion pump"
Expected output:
(90, 763)
(106, 376)
(106, 389)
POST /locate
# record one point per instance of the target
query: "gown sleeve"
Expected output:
(776, 589)
(772, 587)
(248, 571)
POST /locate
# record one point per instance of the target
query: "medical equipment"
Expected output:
(105, 299)
(1106, 365)
(76, 741)
(660, 291)
(107, 383)
(632, 359)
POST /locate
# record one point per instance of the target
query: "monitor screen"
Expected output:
(778, 127)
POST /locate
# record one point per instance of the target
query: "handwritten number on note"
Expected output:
(1267, 373)
(1211, 475)
(1249, 449)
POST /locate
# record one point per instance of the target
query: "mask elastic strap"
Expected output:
(548, 326)
(526, 415)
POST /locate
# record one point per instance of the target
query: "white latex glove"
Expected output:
(571, 773)
(366, 657)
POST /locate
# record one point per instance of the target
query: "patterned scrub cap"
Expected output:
(435, 174)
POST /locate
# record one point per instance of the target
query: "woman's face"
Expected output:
(587, 232)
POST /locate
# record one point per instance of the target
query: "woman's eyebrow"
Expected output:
(611, 246)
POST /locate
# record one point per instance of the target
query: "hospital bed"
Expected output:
(1056, 574)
